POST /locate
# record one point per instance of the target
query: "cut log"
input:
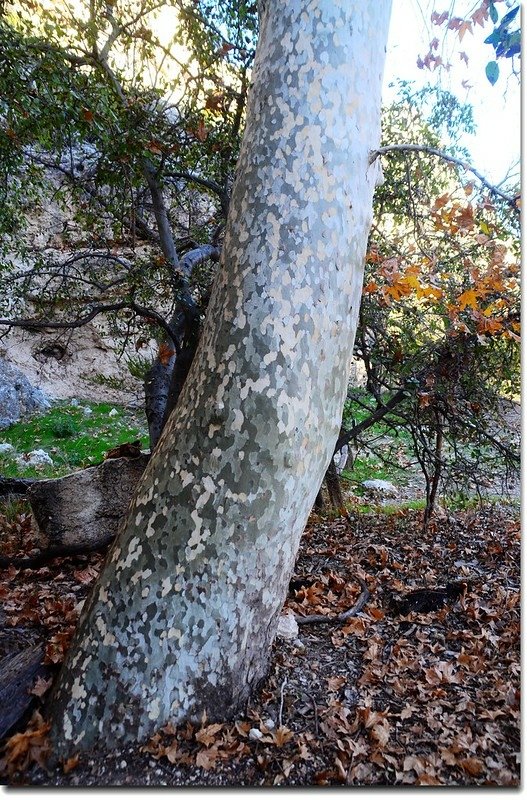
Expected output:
(83, 510)
(18, 674)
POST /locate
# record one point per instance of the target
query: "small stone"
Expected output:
(36, 458)
(299, 644)
(79, 606)
(382, 487)
(6, 449)
(123, 764)
(87, 411)
(113, 413)
(270, 724)
(287, 626)
(255, 734)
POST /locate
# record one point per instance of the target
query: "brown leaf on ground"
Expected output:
(30, 747)
(207, 758)
(41, 686)
(207, 736)
(474, 766)
(70, 763)
(281, 736)
(427, 699)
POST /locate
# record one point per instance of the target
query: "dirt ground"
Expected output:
(392, 696)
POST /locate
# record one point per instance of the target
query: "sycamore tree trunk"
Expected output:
(183, 616)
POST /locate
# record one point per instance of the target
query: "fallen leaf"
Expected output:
(336, 683)
(70, 763)
(282, 735)
(41, 686)
(207, 735)
(207, 757)
(474, 766)
(30, 747)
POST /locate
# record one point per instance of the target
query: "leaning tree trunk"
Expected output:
(183, 616)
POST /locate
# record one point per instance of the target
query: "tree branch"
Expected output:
(347, 436)
(139, 222)
(95, 311)
(206, 183)
(197, 256)
(458, 162)
(339, 618)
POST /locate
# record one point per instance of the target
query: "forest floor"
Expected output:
(389, 697)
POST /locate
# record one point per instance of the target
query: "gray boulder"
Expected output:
(378, 486)
(18, 397)
(35, 458)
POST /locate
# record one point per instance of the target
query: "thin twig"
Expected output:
(316, 714)
(338, 618)
(282, 687)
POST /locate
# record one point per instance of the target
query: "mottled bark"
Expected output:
(184, 613)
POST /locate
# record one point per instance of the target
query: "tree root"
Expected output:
(338, 618)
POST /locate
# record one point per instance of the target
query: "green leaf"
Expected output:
(494, 38)
(492, 72)
(493, 13)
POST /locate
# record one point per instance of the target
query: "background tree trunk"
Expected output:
(184, 614)
(166, 377)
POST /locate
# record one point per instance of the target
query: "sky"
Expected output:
(496, 145)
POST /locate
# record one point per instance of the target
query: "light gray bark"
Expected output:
(184, 614)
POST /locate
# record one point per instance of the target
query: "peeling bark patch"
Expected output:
(192, 591)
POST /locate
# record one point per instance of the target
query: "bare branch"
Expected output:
(197, 256)
(347, 436)
(139, 222)
(95, 311)
(339, 618)
(432, 151)
(207, 183)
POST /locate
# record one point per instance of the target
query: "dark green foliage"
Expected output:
(64, 428)
(83, 122)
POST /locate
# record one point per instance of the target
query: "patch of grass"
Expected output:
(74, 436)
(11, 508)
(367, 468)
(389, 509)
(463, 502)
(452, 504)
